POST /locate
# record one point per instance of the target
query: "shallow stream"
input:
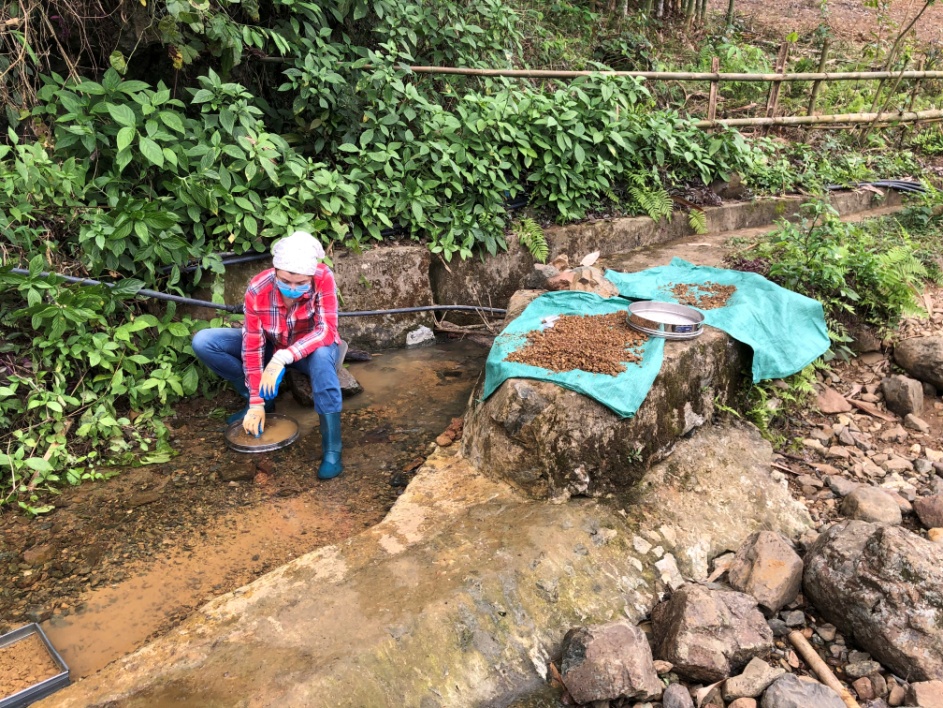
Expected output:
(409, 397)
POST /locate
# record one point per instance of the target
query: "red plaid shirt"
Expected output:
(310, 323)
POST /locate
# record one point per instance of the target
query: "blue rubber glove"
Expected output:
(273, 374)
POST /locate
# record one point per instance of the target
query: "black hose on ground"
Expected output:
(143, 291)
(238, 309)
(897, 184)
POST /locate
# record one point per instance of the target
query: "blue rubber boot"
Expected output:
(331, 464)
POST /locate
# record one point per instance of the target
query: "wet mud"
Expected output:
(122, 561)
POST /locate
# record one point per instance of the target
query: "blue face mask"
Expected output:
(292, 291)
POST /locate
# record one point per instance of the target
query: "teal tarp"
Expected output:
(623, 393)
(786, 330)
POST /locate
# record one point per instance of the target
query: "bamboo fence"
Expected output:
(715, 78)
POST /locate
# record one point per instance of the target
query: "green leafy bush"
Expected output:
(86, 378)
(873, 271)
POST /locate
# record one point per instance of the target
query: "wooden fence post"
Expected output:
(817, 85)
(773, 101)
(712, 101)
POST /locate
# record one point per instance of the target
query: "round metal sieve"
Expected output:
(665, 319)
(280, 431)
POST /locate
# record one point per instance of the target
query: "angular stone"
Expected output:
(300, 386)
(915, 423)
(37, 555)
(923, 466)
(896, 695)
(538, 277)
(872, 470)
(872, 504)
(794, 618)
(826, 631)
(935, 535)
(898, 464)
(708, 633)
(743, 703)
(863, 688)
(895, 434)
(677, 696)
(607, 662)
(842, 486)
(926, 694)
(902, 395)
(831, 401)
(789, 692)
(862, 668)
(767, 567)
(752, 682)
(420, 336)
(930, 510)
(922, 358)
(863, 340)
(883, 585)
(838, 452)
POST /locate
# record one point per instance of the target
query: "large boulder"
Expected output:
(922, 358)
(708, 633)
(607, 662)
(767, 567)
(554, 443)
(882, 585)
(732, 492)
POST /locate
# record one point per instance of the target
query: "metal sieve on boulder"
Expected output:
(665, 319)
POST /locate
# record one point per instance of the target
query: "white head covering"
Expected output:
(299, 253)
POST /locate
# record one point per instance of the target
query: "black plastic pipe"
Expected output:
(143, 291)
(238, 309)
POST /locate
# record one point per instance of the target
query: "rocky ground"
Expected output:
(862, 594)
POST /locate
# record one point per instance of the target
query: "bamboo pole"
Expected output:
(890, 94)
(821, 668)
(678, 75)
(816, 86)
(712, 100)
(887, 117)
(773, 103)
(704, 76)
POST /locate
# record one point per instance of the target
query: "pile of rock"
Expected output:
(743, 643)
(560, 275)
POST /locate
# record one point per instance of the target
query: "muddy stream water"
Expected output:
(120, 562)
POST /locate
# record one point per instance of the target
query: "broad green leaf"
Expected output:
(125, 137)
(172, 121)
(151, 151)
(121, 114)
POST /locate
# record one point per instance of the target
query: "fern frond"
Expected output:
(697, 218)
(532, 238)
(656, 203)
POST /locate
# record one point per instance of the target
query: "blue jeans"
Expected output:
(220, 349)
